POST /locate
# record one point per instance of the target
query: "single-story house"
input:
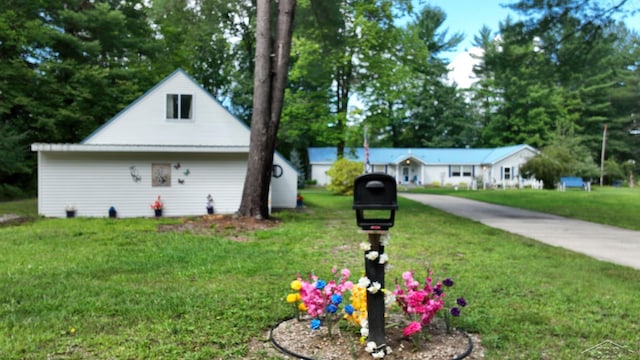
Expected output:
(456, 167)
(176, 141)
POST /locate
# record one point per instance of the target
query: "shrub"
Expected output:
(343, 173)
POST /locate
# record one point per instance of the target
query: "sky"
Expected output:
(468, 17)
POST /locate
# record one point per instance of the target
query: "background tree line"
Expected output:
(552, 80)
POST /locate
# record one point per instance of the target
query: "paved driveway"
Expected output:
(602, 242)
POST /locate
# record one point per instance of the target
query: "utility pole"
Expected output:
(604, 144)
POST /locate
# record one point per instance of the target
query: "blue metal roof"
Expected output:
(383, 156)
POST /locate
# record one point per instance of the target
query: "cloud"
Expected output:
(461, 68)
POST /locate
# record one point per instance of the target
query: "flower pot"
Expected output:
(113, 213)
(210, 210)
(71, 213)
(158, 212)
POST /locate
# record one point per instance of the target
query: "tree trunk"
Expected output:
(268, 95)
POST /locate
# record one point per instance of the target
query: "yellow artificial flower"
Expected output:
(292, 298)
(302, 307)
(296, 285)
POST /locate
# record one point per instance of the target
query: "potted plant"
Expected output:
(70, 210)
(112, 212)
(157, 206)
(209, 204)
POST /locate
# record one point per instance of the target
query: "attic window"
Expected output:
(179, 106)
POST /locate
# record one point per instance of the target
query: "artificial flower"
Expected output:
(315, 324)
(384, 239)
(383, 259)
(378, 354)
(349, 309)
(332, 308)
(455, 311)
(371, 347)
(296, 285)
(302, 307)
(374, 288)
(372, 255)
(292, 298)
(364, 282)
(364, 332)
(447, 282)
(365, 246)
(336, 299)
(461, 301)
(320, 284)
(411, 329)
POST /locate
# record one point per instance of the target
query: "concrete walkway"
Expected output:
(602, 242)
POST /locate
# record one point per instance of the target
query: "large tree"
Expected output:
(270, 77)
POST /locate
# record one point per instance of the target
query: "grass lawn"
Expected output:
(605, 205)
(119, 289)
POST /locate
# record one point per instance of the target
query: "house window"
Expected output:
(179, 106)
(466, 171)
(455, 171)
(507, 173)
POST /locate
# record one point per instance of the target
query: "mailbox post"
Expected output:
(375, 203)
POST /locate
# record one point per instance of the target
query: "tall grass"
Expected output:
(119, 289)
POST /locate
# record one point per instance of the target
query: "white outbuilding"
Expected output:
(176, 141)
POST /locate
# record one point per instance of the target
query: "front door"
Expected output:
(405, 174)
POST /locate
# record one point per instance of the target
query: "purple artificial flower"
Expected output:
(332, 308)
(461, 301)
(336, 299)
(438, 291)
(315, 324)
(455, 311)
(447, 282)
(349, 309)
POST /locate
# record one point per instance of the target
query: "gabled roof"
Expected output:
(388, 156)
(144, 121)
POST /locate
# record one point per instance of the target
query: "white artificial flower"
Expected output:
(374, 288)
(364, 323)
(371, 347)
(388, 350)
(364, 332)
(383, 258)
(378, 355)
(384, 239)
(364, 282)
(372, 255)
(389, 298)
(365, 246)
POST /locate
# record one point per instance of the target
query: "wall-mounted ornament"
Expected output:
(177, 165)
(181, 181)
(187, 172)
(134, 174)
(160, 174)
(276, 171)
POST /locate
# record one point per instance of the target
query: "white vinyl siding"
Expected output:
(77, 179)
(145, 121)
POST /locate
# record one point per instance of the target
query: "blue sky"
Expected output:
(468, 16)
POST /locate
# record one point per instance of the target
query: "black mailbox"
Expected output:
(375, 201)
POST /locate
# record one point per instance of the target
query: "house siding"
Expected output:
(145, 123)
(74, 179)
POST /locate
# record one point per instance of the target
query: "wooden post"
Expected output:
(375, 302)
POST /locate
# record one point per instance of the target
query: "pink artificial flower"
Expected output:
(411, 329)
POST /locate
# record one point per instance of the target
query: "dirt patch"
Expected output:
(12, 219)
(296, 337)
(231, 226)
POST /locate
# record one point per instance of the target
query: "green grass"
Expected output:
(131, 292)
(605, 205)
